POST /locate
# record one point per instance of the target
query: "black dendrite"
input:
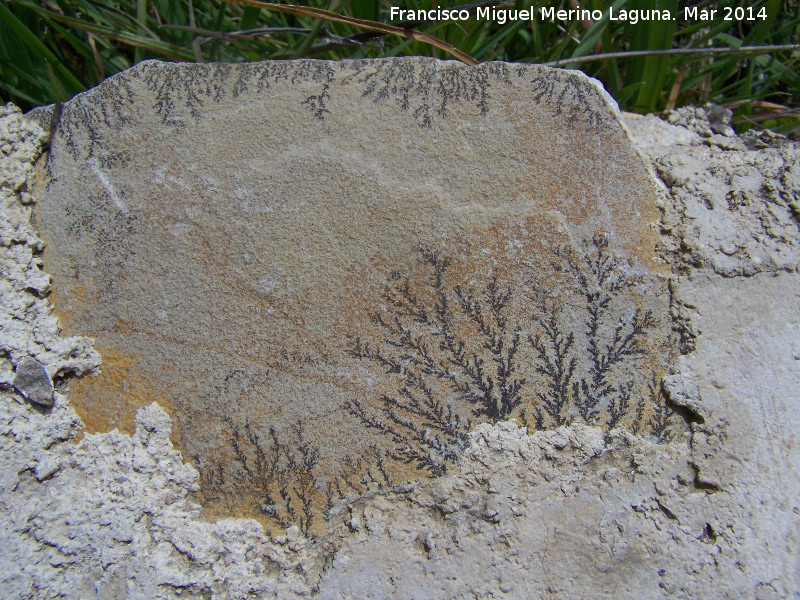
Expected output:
(442, 339)
(495, 390)
(423, 431)
(660, 424)
(554, 361)
(264, 461)
(358, 475)
(458, 351)
(421, 346)
(302, 464)
(600, 280)
(285, 471)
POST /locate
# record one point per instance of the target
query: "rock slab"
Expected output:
(287, 255)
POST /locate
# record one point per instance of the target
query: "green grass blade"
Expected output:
(591, 37)
(250, 17)
(364, 9)
(71, 83)
(654, 68)
(156, 46)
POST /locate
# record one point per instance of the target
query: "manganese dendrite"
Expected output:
(563, 342)
(550, 336)
(286, 479)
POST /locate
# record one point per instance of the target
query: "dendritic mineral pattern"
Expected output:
(330, 273)
(574, 511)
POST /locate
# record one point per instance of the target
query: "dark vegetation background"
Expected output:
(53, 49)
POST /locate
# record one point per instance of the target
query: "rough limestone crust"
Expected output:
(108, 518)
(733, 210)
(558, 514)
(27, 325)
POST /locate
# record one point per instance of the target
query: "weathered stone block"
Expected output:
(328, 272)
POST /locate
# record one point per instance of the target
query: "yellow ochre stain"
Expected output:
(111, 398)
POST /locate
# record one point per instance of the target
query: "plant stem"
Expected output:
(675, 51)
(141, 20)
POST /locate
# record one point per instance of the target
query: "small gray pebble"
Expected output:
(719, 119)
(33, 382)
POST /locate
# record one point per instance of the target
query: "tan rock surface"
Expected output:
(328, 271)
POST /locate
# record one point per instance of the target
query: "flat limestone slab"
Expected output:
(329, 272)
